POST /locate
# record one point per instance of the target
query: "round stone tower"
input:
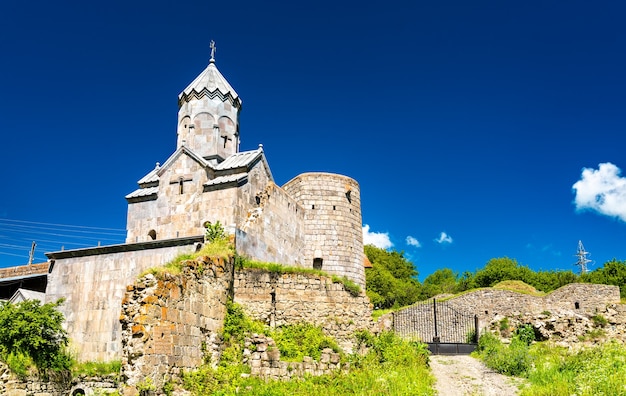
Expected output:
(333, 224)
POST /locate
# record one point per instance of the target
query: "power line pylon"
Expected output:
(582, 258)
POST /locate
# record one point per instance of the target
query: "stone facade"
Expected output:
(584, 298)
(272, 231)
(93, 283)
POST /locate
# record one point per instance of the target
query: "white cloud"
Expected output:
(413, 242)
(602, 190)
(443, 238)
(378, 239)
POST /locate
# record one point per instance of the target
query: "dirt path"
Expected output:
(464, 375)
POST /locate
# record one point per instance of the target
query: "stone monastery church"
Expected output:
(312, 221)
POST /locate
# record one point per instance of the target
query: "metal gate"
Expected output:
(445, 329)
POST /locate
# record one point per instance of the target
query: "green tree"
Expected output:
(548, 281)
(392, 280)
(441, 281)
(612, 273)
(34, 331)
(500, 269)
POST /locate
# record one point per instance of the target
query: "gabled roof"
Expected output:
(151, 177)
(210, 83)
(233, 170)
(180, 151)
(143, 192)
(25, 294)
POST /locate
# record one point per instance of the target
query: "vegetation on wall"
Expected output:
(375, 371)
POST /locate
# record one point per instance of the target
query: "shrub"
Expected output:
(511, 360)
(302, 339)
(214, 231)
(599, 321)
(504, 327)
(525, 333)
(33, 332)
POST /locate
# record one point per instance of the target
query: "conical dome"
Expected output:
(210, 83)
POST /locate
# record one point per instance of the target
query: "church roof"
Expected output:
(210, 83)
(240, 159)
(224, 172)
(237, 177)
(143, 192)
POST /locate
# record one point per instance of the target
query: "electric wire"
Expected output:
(19, 235)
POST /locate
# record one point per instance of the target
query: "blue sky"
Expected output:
(467, 124)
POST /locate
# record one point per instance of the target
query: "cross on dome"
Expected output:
(212, 46)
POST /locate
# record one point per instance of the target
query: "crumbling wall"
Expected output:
(280, 299)
(171, 322)
(573, 300)
(263, 357)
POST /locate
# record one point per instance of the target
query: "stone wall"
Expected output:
(93, 283)
(279, 299)
(10, 385)
(576, 299)
(273, 228)
(583, 298)
(263, 357)
(167, 322)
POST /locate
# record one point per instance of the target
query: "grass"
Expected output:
(377, 313)
(280, 269)
(518, 287)
(219, 248)
(553, 370)
(93, 369)
(599, 370)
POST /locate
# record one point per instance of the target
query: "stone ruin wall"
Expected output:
(11, 385)
(272, 228)
(261, 354)
(582, 298)
(167, 322)
(577, 300)
(168, 325)
(277, 300)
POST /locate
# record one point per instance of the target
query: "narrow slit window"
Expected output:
(180, 186)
